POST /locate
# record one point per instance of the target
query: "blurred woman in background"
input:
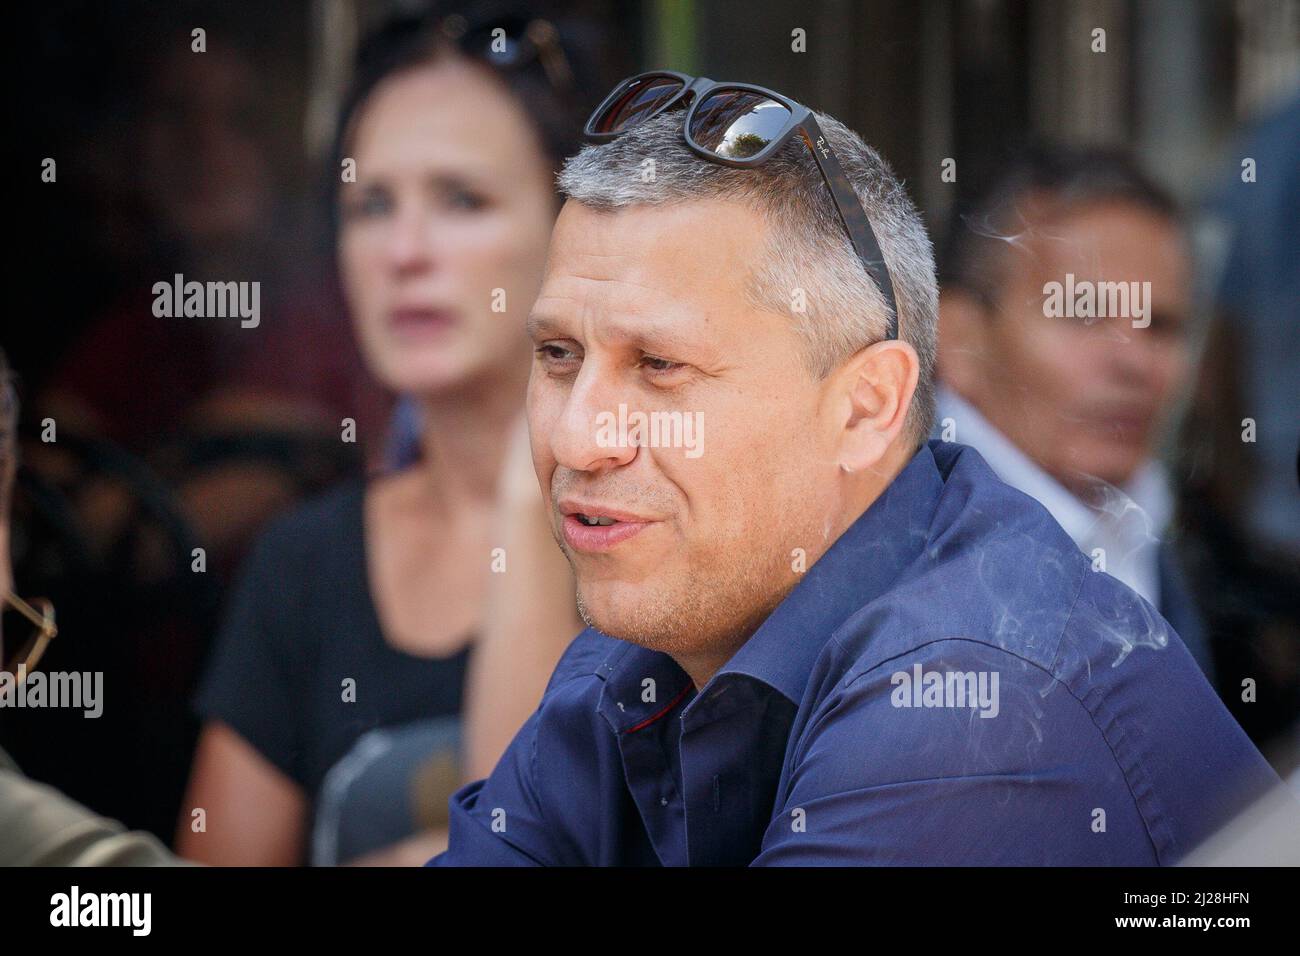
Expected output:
(332, 705)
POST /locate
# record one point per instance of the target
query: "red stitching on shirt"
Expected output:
(650, 720)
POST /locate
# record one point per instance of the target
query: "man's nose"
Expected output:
(1133, 356)
(587, 435)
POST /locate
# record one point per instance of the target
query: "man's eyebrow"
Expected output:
(652, 337)
(648, 336)
(539, 324)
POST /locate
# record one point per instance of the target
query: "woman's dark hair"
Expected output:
(407, 41)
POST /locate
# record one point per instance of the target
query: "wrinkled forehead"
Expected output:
(683, 266)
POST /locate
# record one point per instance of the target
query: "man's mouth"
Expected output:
(603, 520)
(597, 529)
(1121, 424)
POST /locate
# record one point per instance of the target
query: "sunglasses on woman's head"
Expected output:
(513, 43)
(738, 124)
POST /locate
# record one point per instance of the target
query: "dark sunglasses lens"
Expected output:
(638, 100)
(737, 124)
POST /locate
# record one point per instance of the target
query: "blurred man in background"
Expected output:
(1064, 348)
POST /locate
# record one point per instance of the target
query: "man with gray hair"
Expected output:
(822, 639)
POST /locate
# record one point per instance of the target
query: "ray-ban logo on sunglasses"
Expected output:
(651, 430)
(821, 146)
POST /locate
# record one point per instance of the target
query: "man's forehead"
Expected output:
(705, 239)
(673, 261)
(618, 310)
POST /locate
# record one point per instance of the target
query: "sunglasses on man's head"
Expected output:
(738, 124)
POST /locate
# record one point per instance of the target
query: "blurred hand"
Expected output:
(529, 618)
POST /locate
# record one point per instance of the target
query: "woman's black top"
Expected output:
(301, 668)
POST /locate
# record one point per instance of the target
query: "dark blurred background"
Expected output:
(174, 436)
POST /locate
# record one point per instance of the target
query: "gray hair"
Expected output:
(808, 248)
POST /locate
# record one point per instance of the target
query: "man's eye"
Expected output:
(1170, 327)
(552, 354)
(656, 364)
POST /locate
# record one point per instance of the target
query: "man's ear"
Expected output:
(874, 388)
(963, 341)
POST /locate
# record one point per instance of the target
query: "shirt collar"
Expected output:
(1147, 492)
(857, 568)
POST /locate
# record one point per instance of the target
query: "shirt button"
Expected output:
(663, 801)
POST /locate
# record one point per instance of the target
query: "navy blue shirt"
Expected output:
(951, 683)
